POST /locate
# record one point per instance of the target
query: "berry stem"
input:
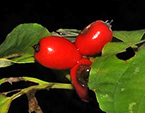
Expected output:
(52, 85)
(62, 86)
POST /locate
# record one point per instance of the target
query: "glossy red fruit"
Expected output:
(56, 53)
(92, 39)
(79, 77)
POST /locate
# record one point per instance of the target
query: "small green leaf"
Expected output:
(5, 62)
(2, 81)
(129, 36)
(19, 42)
(4, 103)
(114, 47)
(26, 58)
(119, 85)
(129, 39)
(70, 34)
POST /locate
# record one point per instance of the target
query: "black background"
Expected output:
(127, 15)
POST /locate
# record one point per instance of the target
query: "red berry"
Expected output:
(56, 53)
(92, 39)
(79, 77)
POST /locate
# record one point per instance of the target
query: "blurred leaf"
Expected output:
(129, 36)
(70, 34)
(26, 58)
(2, 81)
(4, 103)
(4, 62)
(17, 46)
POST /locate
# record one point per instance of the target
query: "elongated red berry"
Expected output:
(92, 39)
(56, 53)
(79, 77)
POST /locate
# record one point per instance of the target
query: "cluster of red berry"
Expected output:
(59, 53)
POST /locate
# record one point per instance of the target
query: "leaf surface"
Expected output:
(17, 46)
(119, 85)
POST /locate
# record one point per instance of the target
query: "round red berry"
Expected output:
(56, 53)
(92, 39)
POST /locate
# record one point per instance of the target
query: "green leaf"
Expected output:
(114, 47)
(129, 36)
(119, 85)
(4, 103)
(26, 58)
(18, 44)
(70, 34)
(4, 62)
(2, 81)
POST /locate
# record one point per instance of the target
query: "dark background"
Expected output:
(127, 15)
